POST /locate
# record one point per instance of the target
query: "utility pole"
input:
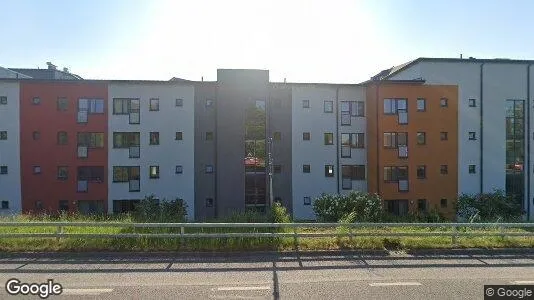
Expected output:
(270, 157)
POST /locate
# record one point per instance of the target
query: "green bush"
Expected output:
(489, 207)
(354, 207)
(151, 210)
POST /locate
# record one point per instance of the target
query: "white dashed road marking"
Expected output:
(394, 283)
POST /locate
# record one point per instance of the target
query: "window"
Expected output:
(62, 104)
(3, 100)
(209, 103)
(5, 204)
(351, 140)
(277, 136)
(179, 102)
(126, 139)
(393, 106)
(421, 172)
(91, 106)
(472, 169)
(154, 104)
(62, 173)
(3, 170)
(36, 135)
(209, 169)
(94, 174)
(3, 135)
(472, 103)
(395, 139)
(421, 104)
(329, 171)
(328, 138)
(353, 172)
(63, 205)
(179, 136)
(209, 202)
(345, 113)
(305, 103)
(36, 170)
(127, 106)
(91, 139)
(397, 207)
(444, 102)
(307, 200)
(154, 138)
(306, 168)
(38, 205)
(394, 174)
(444, 169)
(305, 136)
(62, 138)
(209, 136)
(277, 168)
(472, 135)
(421, 205)
(328, 106)
(443, 136)
(154, 172)
(36, 101)
(443, 203)
(357, 108)
(421, 138)
(125, 174)
(179, 169)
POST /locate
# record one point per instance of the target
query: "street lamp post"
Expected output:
(270, 157)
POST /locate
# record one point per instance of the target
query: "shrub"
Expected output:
(150, 210)
(354, 207)
(488, 207)
(279, 214)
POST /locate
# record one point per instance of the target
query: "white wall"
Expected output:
(10, 185)
(170, 153)
(313, 152)
(358, 125)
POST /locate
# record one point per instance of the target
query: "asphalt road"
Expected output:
(335, 275)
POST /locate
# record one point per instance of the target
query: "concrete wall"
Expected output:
(313, 152)
(168, 154)
(10, 185)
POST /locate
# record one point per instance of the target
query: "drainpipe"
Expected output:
(529, 202)
(481, 128)
(337, 140)
(377, 139)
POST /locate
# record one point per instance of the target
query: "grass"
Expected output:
(237, 244)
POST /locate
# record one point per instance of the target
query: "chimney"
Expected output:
(51, 66)
(66, 70)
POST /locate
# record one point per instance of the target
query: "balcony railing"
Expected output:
(403, 117)
(83, 186)
(82, 151)
(135, 151)
(82, 116)
(403, 151)
(135, 185)
(403, 185)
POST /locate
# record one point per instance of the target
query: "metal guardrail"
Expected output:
(454, 231)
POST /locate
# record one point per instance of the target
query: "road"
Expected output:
(327, 275)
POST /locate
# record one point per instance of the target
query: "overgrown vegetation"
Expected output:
(356, 207)
(489, 207)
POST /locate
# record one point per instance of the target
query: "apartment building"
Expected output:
(494, 131)
(151, 143)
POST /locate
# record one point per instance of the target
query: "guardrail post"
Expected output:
(295, 238)
(59, 231)
(182, 231)
(501, 231)
(454, 235)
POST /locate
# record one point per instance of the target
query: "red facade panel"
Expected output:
(46, 109)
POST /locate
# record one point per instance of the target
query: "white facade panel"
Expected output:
(10, 185)
(168, 154)
(358, 125)
(313, 152)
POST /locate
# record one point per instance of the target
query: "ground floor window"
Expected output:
(396, 207)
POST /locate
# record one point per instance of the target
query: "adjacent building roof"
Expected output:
(47, 74)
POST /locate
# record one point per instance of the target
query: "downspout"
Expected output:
(338, 140)
(377, 140)
(481, 128)
(529, 203)
(216, 200)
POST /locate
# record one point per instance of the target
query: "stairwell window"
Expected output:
(329, 170)
(472, 103)
(472, 135)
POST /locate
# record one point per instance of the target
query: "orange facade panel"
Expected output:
(399, 115)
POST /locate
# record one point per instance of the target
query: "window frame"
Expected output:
(59, 176)
(307, 200)
(127, 139)
(472, 102)
(36, 101)
(444, 102)
(3, 135)
(328, 138)
(327, 172)
(179, 102)
(36, 170)
(4, 204)
(394, 173)
(328, 106)
(156, 174)
(423, 134)
(179, 169)
(444, 136)
(419, 168)
(126, 170)
(444, 203)
(444, 169)
(421, 100)
(209, 136)
(100, 170)
(277, 136)
(153, 104)
(208, 169)
(305, 103)
(472, 135)
(306, 134)
(153, 138)
(4, 170)
(92, 138)
(62, 104)
(179, 136)
(306, 168)
(3, 100)
(472, 169)
(61, 134)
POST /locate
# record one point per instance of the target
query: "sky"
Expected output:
(301, 40)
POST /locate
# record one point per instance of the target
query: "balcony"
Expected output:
(134, 185)
(82, 151)
(82, 116)
(134, 151)
(403, 151)
(402, 117)
(83, 186)
(403, 185)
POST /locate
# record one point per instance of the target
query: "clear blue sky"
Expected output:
(303, 40)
